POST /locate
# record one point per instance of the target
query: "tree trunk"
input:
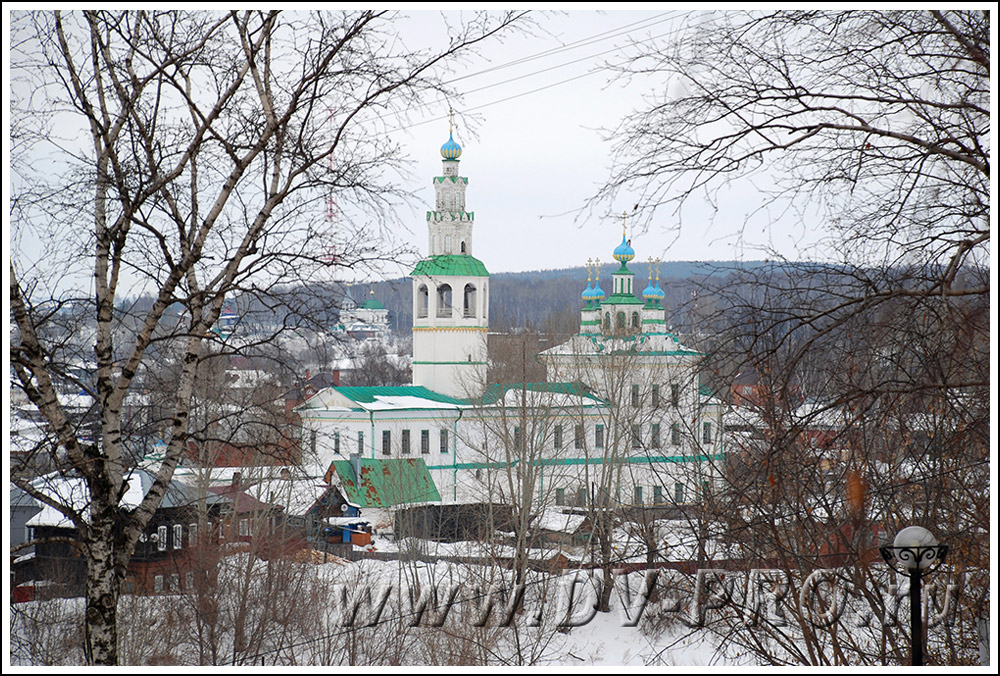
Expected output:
(104, 583)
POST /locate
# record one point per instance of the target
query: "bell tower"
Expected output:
(450, 292)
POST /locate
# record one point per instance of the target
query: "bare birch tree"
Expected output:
(181, 155)
(875, 127)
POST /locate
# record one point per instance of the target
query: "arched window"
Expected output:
(422, 301)
(463, 246)
(635, 320)
(469, 300)
(620, 320)
(447, 244)
(607, 321)
(444, 301)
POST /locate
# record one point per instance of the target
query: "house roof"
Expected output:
(243, 502)
(546, 393)
(298, 496)
(73, 492)
(410, 397)
(385, 483)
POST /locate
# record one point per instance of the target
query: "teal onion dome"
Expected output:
(588, 293)
(623, 252)
(451, 150)
(598, 293)
(649, 293)
(660, 295)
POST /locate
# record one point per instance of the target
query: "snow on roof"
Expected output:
(73, 492)
(339, 521)
(557, 521)
(297, 496)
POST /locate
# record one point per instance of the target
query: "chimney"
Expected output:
(236, 480)
(307, 375)
(336, 377)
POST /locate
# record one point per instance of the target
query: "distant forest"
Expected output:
(549, 300)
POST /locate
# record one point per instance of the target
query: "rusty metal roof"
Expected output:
(386, 483)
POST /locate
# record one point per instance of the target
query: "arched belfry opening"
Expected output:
(444, 300)
(469, 299)
(422, 301)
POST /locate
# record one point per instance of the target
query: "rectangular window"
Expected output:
(312, 442)
(405, 442)
(386, 442)
(192, 534)
(336, 442)
(158, 583)
(675, 395)
(175, 582)
(244, 528)
(361, 443)
(656, 396)
(517, 439)
(599, 436)
(704, 489)
(635, 396)
(557, 436)
(636, 436)
(581, 497)
(560, 496)
(425, 441)
(161, 538)
(654, 435)
(578, 436)
(178, 536)
(679, 493)
(706, 433)
(675, 434)
(189, 580)
(637, 495)
(444, 441)
(657, 495)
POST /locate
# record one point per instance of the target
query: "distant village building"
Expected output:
(621, 417)
(369, 320)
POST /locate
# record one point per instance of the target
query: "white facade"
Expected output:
(621, 416)
(450, 293)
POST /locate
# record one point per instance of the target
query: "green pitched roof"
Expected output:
(495, 392)
(366, 395)
(385, 483)
(452, 265)
(372, 304)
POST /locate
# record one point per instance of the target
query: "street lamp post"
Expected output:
(917, 553)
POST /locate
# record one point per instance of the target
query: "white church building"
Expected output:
(620, 417)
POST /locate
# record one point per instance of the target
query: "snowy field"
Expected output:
(299, 614)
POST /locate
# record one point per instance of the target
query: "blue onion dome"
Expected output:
(660, 294)
(598, 292)
(649, 293)
(588, 293)
(623, 252)
(451, 150)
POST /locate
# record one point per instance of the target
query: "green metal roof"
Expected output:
(372, 304)
(622, 299)
(451, 265)
(495, 392)
(385, 483)
(366, 395)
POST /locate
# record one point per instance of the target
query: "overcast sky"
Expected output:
(531, 123)
(534, 153)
